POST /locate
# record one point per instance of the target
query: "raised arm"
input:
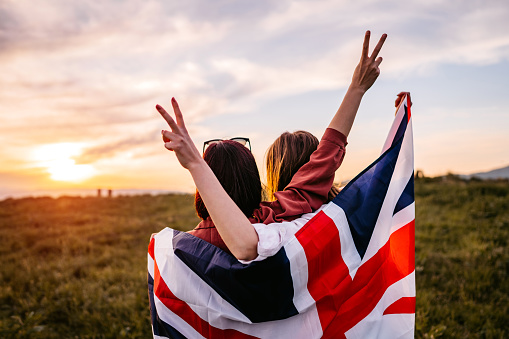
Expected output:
(310, 185)
(234, 228)
(364, 76)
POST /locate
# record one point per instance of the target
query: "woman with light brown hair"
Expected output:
(284, 158)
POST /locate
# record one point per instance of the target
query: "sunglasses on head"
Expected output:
(241, 140)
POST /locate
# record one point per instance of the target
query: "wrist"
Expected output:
(356, 90)
(197, 166)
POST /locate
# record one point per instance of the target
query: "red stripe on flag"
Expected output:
(402, 305)
(408, 104)
(151, 247)
(394, 261)
(186, 313)
(320, 239)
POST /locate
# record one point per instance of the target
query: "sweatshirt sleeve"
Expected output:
(309, 187)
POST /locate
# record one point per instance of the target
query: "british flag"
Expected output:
(348, 272)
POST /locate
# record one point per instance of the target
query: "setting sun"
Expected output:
(59, 163)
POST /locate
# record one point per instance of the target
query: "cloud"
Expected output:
(111, 148)
(96, 58)
(91, 72)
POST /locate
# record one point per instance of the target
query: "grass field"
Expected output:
(76, 267)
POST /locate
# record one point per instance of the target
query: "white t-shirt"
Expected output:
(273, 236)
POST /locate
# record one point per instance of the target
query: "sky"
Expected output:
(80, 79)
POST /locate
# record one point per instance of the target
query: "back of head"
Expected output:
(284, 158)
(235, 168)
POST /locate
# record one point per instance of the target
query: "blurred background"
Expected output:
(79, 82)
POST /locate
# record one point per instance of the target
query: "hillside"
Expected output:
(499, 173)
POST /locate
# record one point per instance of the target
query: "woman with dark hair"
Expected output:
(235, 168)
(245, 188)
(305, 191)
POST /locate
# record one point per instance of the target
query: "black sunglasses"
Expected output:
(241, 140)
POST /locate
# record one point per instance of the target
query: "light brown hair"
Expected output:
(284, 158)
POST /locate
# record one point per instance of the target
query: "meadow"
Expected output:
(76, 267)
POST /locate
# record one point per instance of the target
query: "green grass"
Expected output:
(462, 259)
(76, 267)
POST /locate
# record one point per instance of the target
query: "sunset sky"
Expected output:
(79, 81)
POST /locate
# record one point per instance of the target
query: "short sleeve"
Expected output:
(272, 237)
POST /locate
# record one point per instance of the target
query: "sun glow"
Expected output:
(58, 161)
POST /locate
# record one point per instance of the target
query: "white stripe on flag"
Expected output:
(348, 252)
(158, 337)
(370, 326)
(403, 171)
(397, 326)
(299, 271)
(175, 321)
(400, 114)
(403, 217)
(301, 326)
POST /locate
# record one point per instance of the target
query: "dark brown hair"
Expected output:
(284, 158)
(235, 168)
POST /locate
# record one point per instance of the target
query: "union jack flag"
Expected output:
(347, 272)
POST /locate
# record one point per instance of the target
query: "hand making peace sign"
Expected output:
(367, 70)
(178, 139)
